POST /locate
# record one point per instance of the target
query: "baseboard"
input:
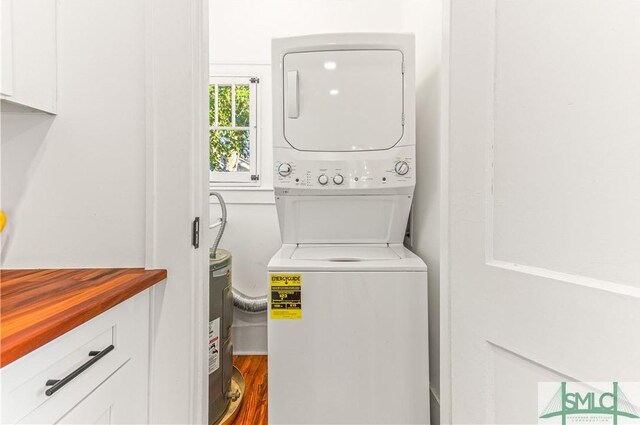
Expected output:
(249, 339)
(249, 353)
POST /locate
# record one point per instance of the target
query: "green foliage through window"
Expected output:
(229, 137)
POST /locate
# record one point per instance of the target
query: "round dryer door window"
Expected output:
(348, 100)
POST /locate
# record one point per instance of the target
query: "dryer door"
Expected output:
(347, 100)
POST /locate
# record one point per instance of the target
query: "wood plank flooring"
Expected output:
(253, 410)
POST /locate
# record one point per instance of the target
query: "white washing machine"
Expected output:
(347, 320)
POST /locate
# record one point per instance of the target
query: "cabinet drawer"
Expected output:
(107, 404)
(24, 382)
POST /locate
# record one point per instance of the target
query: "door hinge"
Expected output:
(195, 233)
(255, 177)
(254, 80)
(402, 119)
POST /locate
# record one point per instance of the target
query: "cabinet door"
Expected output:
(113, 390)
(6, 48)
(110, 403)
(29, 56)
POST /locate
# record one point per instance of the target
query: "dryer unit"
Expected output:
(348, 302)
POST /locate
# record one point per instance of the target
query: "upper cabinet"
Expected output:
(29, 54)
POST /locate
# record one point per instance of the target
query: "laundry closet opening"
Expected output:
(242, 164)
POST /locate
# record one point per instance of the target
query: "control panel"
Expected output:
(360, 174)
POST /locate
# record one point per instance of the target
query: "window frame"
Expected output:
(238, 178)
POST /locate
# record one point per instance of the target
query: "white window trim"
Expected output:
(219, 179)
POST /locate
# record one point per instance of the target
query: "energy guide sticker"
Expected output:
(286, 295)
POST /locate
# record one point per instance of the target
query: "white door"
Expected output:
(177, 186)
(347, 100)
(543, 203)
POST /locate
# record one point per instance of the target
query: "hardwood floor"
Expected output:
(253, 410)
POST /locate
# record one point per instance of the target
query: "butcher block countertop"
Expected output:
(39, 305)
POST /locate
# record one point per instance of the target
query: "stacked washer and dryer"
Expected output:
(347, 319)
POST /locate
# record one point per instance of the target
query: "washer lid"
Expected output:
(344, 253)
(334, 258)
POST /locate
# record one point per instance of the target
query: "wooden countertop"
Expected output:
(37, 306)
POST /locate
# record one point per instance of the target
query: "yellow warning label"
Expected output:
(286, 295)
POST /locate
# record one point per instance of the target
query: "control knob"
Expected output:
(401, 168)
(284, 169)
(338, 179)
(323, 179)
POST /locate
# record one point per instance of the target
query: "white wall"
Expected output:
(424, 18)
(73, 185)
(252, 234)
(233, 43)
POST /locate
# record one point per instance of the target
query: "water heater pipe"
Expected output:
(242, 301)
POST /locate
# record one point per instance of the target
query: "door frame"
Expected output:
(198, 190)
(445, 285)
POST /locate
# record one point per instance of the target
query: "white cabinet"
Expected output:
(29, 54)
(107, 405)
(112, 389)
(112, 402)
(6, 48)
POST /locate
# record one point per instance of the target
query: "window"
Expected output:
(233, 151)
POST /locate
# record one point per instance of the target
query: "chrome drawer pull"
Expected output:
(56, 384)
